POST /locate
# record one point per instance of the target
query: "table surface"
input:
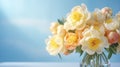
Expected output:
(45, 64)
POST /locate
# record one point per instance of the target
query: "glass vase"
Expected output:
(96, 60)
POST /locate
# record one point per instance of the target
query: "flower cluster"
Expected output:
(85, 31)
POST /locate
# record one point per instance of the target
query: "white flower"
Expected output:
(107, 12)
(93, 41)
(77, 18)
(118, 48)
(94, 29)
(111, 24)
(118, 16)
(53, 27)
(118, 31)
(68, 26)
(54, 45)
(98, 16)
(61, 31)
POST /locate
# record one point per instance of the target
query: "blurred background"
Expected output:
(24, 26)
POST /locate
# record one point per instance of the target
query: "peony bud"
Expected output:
(113, 37)
(107, 12)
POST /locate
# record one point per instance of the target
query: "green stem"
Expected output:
(87, 59)
(102, 56)
(93, 58)
(105, 58)
(100, 59)
(84, 57)
(96, 60)
(113, 49)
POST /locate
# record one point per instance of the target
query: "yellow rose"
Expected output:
(54, 44)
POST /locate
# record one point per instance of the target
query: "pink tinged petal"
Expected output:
(113, 37)
(106, 43)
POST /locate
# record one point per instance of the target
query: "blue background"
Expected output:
(24, 26)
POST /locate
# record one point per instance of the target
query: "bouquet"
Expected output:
(94, 35)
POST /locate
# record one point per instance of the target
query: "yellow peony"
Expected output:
(111, 24)
(94, 29)
(98, 16)
(54, 44)
(71, 41)
(93, 41)
(77, 18)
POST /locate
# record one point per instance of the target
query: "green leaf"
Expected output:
(61, 21)
(109, 55)
(70, 51)
(59, 56)
(116, 44)
(107, 49)
(81, 53)
(114, 51)
(79, 50)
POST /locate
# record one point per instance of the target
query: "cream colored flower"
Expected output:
(68, 26)
(111, 24)
(98, 16)
(107, 12)
(118, 31)
(93, 41)
(61, 31)
(108, 19)
(54, 45)
(118, 16)
(53, 27)
(94, 29)
(71, 41)
(118, 48)
(77, 18)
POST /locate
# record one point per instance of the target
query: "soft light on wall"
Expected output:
(24, 26)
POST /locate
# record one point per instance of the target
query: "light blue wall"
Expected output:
(24, 26)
